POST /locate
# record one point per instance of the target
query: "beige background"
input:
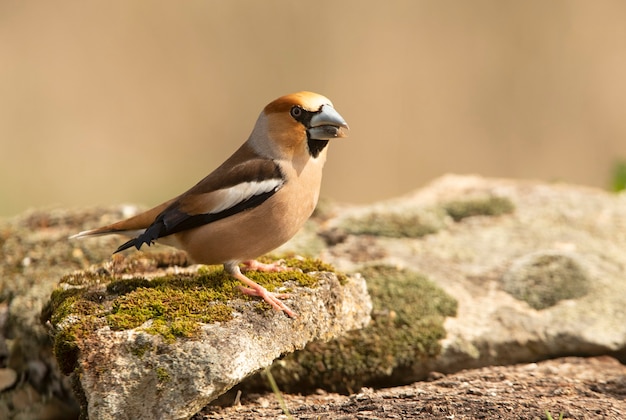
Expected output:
(105, 102)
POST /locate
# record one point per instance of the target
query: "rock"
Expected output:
(406, 330)
(465, 272)
(162, 342)
(8, 377)
(35, 255)
(500, 272)
(544, 280)
(567, 388)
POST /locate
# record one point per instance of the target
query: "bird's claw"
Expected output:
(273, 299)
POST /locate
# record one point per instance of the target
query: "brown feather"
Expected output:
(137, 222)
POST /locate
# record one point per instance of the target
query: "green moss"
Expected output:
(67, 340)
(544, 279)
(306, 265)
(66, 350)
(122, 287)
(479, 206)
(275, 281)
(140, 348)
(194, 298)
(309, 265)
(413, 223)
(206, 270)
(81, 303)
(56, 309)
(406, 329)
(173, 306)
(168, 304)
(162, 374)
(171, 330)
(83, 278)
(175, 312)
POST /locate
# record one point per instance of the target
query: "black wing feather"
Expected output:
(172, 220)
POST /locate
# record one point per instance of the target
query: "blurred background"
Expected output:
(107, 102)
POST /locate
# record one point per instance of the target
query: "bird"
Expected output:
(252, 203)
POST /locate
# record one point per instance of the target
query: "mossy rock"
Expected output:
(406, 329)
(173, 306)
(408, 223)
(416, 222)
(488, 205)
(544, 278)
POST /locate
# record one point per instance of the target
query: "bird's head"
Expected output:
(302, 121)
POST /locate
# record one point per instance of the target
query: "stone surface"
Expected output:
(128, 369)
(535, 270)
(35, 255)
(8, 377)
(568, 388)
(463, 273)
(565, 246)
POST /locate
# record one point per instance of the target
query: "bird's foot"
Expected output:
(252, 288)
(272, 298)
(259, 266)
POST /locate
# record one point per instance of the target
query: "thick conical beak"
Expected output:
(327, 124)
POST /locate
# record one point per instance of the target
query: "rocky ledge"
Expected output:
(464, 273)
(144, 339)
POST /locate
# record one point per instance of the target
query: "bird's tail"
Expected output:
(138, 227)
(132, 226)
(107, 230)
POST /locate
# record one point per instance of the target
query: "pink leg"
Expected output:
(253, 289)
(259, 266)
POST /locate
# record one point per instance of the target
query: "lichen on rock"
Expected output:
(544, 278)
(478, 205)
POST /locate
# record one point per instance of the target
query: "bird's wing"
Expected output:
(225, 192)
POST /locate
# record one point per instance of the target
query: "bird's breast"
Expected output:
(257, 231)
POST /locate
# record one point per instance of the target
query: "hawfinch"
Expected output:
(252, 203)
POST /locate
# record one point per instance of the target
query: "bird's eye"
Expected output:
(296, 111)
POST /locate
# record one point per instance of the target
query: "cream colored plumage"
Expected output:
(255, 201)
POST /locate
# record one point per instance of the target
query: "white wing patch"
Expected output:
(230, 197)
(94, 232)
